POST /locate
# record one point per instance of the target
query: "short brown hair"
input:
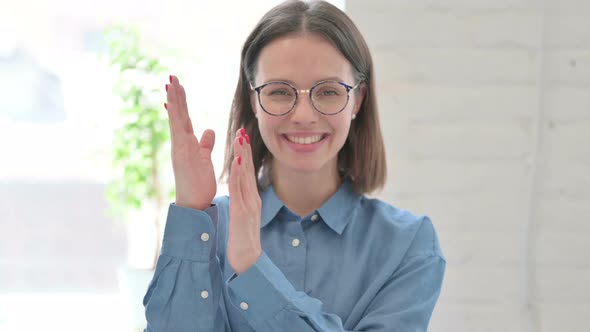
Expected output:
(362, 158)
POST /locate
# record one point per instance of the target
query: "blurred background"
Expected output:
(485, 106)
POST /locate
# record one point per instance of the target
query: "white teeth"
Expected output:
(305, 140)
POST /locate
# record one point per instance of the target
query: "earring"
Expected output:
(353, 116)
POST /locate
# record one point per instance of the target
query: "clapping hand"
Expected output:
(194, 175)
(243, 248)
(195, 182)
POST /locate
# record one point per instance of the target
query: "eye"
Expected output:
(329, 90)
(329, 93)
(279, 92)
(326, 91)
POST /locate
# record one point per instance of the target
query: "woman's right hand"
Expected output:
(194, 175)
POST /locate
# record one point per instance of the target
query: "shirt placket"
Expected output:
(297, 253)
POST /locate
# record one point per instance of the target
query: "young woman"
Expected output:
(297, 246)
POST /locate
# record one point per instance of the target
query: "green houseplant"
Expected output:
(140, 140)
(137, 192)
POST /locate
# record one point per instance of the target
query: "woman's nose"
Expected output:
(304, 112)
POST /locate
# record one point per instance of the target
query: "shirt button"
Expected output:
(314, 217)
(205, 237)
(204, 294)
(244, 306)
(295, 243)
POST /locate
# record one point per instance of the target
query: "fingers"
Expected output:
(172, 96)
(247, 179)
(174, 119)
(234, 186)
(245, 142)
(208, 141)
(240, 147)
(177, 108)
(181, 95)
(247, 153)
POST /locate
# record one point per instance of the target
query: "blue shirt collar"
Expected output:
(336, 212)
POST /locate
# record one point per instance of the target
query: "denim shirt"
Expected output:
(355, 264)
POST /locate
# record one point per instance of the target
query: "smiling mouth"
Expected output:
(305, 140)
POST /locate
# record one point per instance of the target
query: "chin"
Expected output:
(305, 165)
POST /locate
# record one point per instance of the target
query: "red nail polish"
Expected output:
(166, 87)
(240, 160)
(243, 131)
(165, 106)
(247, 139)
(241, 141)
(170, 77)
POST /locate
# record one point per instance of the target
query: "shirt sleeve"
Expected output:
(185, 292)
(269, 302)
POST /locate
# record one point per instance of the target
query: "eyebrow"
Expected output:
(331, 78)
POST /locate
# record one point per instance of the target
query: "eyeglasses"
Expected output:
(327, 97)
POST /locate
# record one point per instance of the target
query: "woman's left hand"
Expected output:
(243, 247)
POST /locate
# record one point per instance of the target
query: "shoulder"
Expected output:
(405, 231)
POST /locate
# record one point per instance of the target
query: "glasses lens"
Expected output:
(329, 97)
(277, 98)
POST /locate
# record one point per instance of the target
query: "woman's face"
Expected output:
(304, 60)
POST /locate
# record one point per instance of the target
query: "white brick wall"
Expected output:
(485, 106)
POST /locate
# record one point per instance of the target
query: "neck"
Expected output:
(305, 192)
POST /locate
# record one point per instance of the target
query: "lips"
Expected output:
(304, 140)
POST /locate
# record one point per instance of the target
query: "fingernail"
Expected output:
(241, 141)
(243, 131)
(247, 139)
(165, 105)
(170, 77)
(239, 160)
(166, 87)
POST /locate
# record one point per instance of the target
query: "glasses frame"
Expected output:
(309, 91)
